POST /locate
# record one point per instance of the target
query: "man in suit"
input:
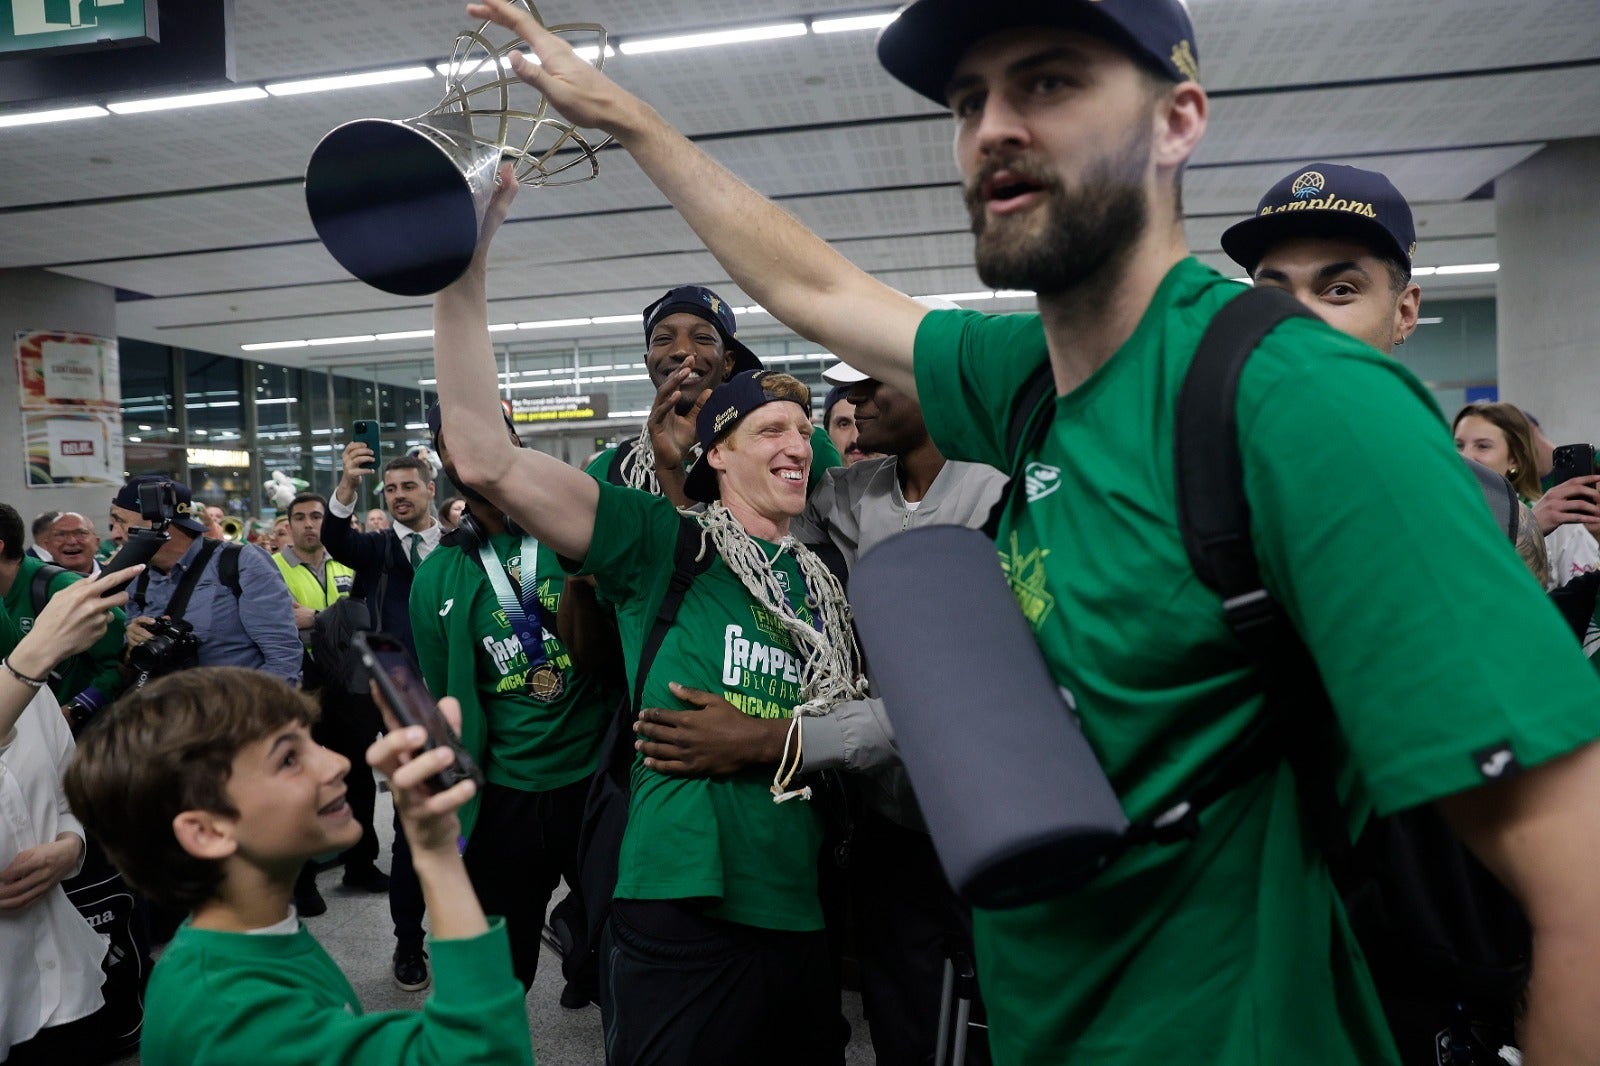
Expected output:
(384, 562)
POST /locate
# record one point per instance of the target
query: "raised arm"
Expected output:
(553, 501)
(787, 269)
(1536, 832)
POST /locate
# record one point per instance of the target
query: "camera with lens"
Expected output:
(172, 646)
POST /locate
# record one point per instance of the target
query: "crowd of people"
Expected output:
(651, 667)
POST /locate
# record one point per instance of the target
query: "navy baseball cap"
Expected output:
(835, 394)
(729, 403)
(699, 300)
(922, 46)
(127, 498)
(1326, 200)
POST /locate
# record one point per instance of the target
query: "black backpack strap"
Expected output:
(39, 590)
(692, 556)
(1035, 409)
(228, 568)
(180, 597)
(1214, 517)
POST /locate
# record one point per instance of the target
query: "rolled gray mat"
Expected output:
(1017, 805)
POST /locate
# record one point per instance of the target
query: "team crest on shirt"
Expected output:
(25, 624)
(1026, 575)
(1040, 480)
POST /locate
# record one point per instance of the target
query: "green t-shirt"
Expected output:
(217, 999)
(540, 730)
(824, 456)
(1373, 535)
(719, 839)
(99, 666)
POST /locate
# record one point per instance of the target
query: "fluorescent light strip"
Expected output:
(853, 22)
(616, 320)
(555, 323)
(405, 335)
(588, 53)
(771, 32)
(504, 327)
(267, 346)
(60, 114)
(1430, 321)
(172, 103)
(1468, 268)
(349, 81)
(360, 338)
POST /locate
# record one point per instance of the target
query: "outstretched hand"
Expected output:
(713, 740)
(582, 94)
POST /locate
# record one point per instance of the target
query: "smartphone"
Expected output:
(1570, 461)
(400, 682)
(365, 432)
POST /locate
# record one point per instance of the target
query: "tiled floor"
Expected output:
(357, 933)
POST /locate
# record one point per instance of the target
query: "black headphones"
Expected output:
(470, 534)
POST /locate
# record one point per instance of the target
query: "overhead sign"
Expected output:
(209, 457)
(54, 25)
(526, 410)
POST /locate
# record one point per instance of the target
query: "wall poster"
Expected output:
(71, 391)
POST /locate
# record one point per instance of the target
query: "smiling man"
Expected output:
(72, 541)
(691, 347)
(1073, 123)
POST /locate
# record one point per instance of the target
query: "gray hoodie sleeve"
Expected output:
(855, 737)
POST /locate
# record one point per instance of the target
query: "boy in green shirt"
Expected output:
(209, 794)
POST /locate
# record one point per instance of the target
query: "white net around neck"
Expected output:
(827, 652)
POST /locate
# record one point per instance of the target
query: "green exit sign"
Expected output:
(38, 26)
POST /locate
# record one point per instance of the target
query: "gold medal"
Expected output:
(545, 683)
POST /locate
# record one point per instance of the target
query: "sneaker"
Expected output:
(411, 967)
(366, 878)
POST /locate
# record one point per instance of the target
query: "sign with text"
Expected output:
(532, 409)
(50, 25)
(71, 400)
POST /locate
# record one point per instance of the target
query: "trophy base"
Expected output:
(399, 204)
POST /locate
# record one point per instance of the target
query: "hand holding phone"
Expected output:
(404, 697)
(1570, 461)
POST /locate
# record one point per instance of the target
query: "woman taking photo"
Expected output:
(1498, 436)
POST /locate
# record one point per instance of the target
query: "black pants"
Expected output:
(522, 845)
(687, 990)
(348, 725)
(906, 915)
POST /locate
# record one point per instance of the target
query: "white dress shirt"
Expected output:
(430, 536)
(51, 971)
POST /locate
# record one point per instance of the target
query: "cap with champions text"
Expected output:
(1326, 200)
(922, 46)
(701, 301)
(726, 408)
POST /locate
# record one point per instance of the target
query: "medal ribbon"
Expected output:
(521, 608)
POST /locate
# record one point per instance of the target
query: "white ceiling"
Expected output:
(202, 212)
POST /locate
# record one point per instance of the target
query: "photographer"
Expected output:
(187, 604)
(82, 683)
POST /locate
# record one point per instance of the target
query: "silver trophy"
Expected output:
(400, 202)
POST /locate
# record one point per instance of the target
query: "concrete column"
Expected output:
(39, 300)
(1547, 218)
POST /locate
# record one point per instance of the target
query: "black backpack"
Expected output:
(1433, 923)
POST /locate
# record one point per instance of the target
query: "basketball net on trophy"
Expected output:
(400, 202)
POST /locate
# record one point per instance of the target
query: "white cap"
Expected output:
(842, 373)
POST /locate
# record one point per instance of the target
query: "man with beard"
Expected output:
(483, 614)
(1073, 123)
(839, 421)
(691, 347)
(385, 563)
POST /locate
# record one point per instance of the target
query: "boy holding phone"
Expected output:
(209, 794)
